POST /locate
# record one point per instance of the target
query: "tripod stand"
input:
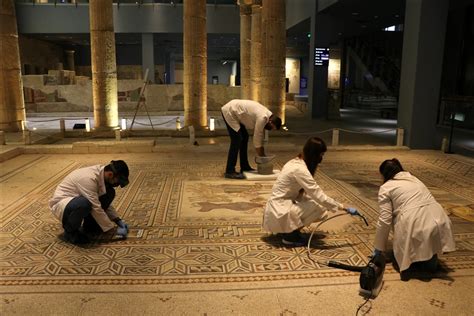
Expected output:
(142, 90)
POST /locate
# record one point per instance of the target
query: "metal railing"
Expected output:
(457, 111)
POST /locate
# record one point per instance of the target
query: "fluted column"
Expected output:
(195, 63)
(12, 104)
(273, 56)
(245, 31)
(256, 53)
(70, 60)
(104, 66)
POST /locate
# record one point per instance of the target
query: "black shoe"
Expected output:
(234, 175)
(250, 169)
(294, 239)
(76, 238)
(91, 230)
(405, 275)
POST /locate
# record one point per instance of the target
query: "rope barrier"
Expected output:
(311, 133)
(370, 132)
(10, 122)
(156, 124)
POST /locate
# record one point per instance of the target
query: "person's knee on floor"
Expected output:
(75, 212)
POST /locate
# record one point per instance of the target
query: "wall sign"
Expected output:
(321, 56)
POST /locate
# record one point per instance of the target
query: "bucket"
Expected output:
(264, 164)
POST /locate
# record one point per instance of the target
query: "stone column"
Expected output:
(273, 56)
(256, 52)
(12, 104)
(245, 31)
(148, 56)
(104, 67)
(422, 62)
(195, 63)
(70, 60)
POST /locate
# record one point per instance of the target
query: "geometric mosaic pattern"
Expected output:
(199, 228)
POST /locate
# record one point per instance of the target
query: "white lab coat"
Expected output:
(421, 227)
(287, 209)
(89, 183)
(251, 114)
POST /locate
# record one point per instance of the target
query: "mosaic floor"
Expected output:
(196, 246)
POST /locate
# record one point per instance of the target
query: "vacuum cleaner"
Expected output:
(371, 276)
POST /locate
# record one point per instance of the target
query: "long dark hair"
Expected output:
(389, 168)
(312, 152)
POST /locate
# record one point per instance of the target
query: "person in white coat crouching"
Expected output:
(297, 200)
(82, 201)
(421, 228)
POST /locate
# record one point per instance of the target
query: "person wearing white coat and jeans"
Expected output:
(421, 228)
(297, 200)
(240, 115)
(82, 201)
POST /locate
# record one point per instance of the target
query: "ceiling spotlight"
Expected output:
(355, 13)
(397, 16)
(376, 16)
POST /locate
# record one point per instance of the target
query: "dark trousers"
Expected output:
(238, 144)
(79, 210)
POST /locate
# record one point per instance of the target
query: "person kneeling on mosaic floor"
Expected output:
(82, 201)
(297, 200)
(421, 228)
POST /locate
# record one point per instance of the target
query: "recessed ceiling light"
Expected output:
(397, 16)
(376, 16)
(355, 13)
(363, 26)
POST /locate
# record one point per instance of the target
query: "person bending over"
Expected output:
(84, 199)
(297, 200)
(240, 115)
(421, 228)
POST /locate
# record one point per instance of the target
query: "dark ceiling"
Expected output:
(353, 17)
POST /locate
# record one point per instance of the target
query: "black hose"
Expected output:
(343, 266)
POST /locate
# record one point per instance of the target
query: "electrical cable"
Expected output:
(365, 302)
(334, 263)
(327, 219)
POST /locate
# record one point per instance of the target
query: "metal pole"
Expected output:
(451, 134)
(400, 135)
(335, 137)
(2, 138)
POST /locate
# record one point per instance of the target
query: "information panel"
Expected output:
(321, 56)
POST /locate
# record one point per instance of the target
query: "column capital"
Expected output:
(245, 10)
(249, 2)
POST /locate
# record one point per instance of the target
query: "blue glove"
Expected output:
(352, 211)
(122, 231)
(122, 224)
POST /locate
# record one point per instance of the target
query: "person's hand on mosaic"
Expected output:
(122, 231)
(122, 224)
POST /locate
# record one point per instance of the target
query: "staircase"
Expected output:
(379, 55)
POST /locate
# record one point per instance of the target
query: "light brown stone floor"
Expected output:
(202, 251)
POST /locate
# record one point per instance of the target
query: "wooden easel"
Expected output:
(145, 83)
